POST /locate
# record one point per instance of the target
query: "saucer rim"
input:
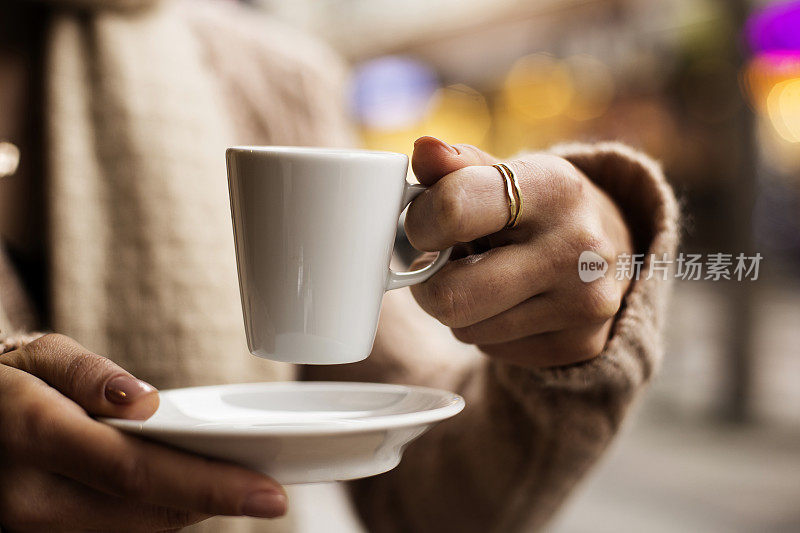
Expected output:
(452, 405)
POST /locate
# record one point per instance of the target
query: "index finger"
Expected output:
(66, 442)
(92, 381)
(462, 206)
(472, 202)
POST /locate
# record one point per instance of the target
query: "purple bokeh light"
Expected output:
(391, 92)
(775, 27)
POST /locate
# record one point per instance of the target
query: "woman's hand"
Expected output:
(62, 470)
(515, 292)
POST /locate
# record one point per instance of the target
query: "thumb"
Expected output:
(92, 381)
(432, 158)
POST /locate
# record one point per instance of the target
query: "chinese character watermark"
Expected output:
(687, 267)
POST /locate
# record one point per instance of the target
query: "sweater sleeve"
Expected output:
(16, 311)
(510, 459)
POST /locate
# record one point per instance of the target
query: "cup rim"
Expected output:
(313, 151)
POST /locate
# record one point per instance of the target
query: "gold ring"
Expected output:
(514, 194)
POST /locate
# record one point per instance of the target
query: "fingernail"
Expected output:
(265, 504)
(125, 389)
(449, 148)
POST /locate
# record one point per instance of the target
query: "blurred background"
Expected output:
(712, 89)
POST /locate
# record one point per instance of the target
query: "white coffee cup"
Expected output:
(314, 231)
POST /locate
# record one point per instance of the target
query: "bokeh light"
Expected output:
(775, 27)
(458, 113)
(766, 70)
(771, 79)
(541, 100)
(538, 86)
(783, 106)
(391, 92)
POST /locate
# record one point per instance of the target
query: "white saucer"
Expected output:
(298, 432)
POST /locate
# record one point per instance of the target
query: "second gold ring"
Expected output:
(514, 194)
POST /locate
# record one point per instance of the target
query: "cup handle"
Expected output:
(397, 280)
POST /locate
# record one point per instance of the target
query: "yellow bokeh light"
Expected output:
(783, 108)
(538, 87)
(458, 113)
(455, 114)
(512, 133)
(763, 73)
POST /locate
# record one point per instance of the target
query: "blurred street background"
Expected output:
(712, 89)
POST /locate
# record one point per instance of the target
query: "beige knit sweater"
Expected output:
(142, 97)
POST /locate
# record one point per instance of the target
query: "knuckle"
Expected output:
(467, 148)
(564, 181)
(130, 476)
(47, 342)
(572, 185)
(82, 371)
(415, 222)
(16, 422)
(571, 182)
(446, 303)
(173, 519)
(449, 209)
(441, 300)
(586, 238)
(476, 153)
(46, 345)
(600, 301)
(560, 263)
(214, 500)
(37, 423)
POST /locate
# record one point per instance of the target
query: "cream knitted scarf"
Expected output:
(142, 261)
